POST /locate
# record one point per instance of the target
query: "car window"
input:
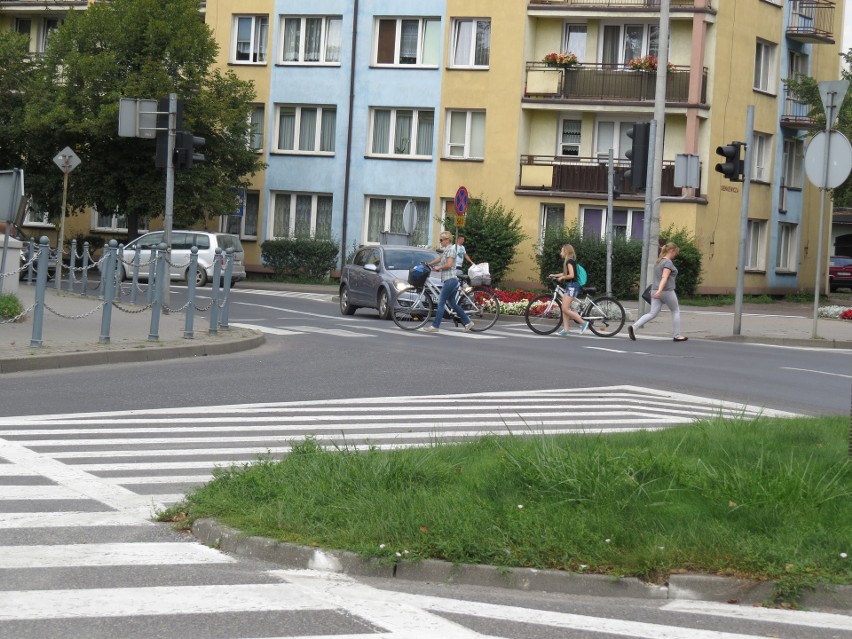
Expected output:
(181, 241)
(404, 259)
(150, 241)
(229, 241)
(361, 257)
(202, 241)
(841, 261)
(374, 258)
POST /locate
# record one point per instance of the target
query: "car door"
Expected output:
(357, 276)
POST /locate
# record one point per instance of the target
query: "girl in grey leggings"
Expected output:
(663, 292)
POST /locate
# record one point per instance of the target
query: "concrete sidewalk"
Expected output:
(71, 333)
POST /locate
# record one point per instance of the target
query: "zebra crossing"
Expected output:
(81, 557)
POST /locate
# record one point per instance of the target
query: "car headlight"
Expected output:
(401, 285)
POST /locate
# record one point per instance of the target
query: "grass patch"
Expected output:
(765, 499)
(10, 306)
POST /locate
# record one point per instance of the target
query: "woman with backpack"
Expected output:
(572, 289)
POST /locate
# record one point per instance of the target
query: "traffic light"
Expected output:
(733, 167)
(185, 154)
(637, 175)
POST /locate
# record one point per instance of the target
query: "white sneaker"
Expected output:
(430, 329)
(469, 326)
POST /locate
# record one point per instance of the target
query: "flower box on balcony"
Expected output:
(561, 60)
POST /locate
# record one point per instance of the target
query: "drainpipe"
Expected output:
(349, 133)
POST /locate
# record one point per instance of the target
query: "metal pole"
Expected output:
(7, 234)
(648, 260)
(58, 271)
(610, 186)
(108, 277)
(161, 269)
(71, 265)
(41, 285)
(84, 277)
(188, 333)
(214, 292)
(168, 217)
(226, 288)
(741, 252)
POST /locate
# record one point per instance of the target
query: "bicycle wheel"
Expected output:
(543, 314)
(605, 316)
(483, 307)
(412, 308)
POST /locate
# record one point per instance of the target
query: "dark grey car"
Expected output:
(376, 273)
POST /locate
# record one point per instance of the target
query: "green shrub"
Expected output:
(300, 257)
(492, 234)
(10, 306)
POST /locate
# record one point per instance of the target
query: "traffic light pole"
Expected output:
(648, 261)
(609, 197)
(741, 253)
(170, 198)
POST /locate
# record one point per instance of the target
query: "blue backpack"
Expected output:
(580, 275)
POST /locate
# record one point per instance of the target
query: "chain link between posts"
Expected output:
(130, 311)
(23, 313)
(74, 317)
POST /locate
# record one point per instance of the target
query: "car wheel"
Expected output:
(200, 277)
(346, 308)
(383, 305)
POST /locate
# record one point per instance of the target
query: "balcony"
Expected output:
(30, 6)
(797, 115)
(811, 21)
(582, 176)
(605, 83)
(619, 5)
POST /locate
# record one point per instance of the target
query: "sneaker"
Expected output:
(584, 327)
(631, 333)
(563, 333)
(430, 329)
(469, 326)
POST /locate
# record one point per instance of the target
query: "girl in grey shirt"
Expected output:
(663, 292)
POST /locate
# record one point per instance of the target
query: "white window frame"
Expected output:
(294, 197)
(249, 216)
(118, 223)
(470, 58)
(258, 42)
(256, 127)
(318, 130)
(561, 144)
(46, 29)
(392, 151)
(467, 146)
(548, 210)
(761, 168)
(578, 28)
(423, 208)
(794, 155)
(765, 60)
(428, 28)
(787, 260)
(797, 63)
(38, 219)
(628, 227)
(620, 142)
(646, 48)
(331, 28)
(756, 246)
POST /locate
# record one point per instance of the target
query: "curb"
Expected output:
(148, 352)
(685, 586)
(786, 341)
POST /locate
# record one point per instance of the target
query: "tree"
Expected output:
(16, 70)
(492, 234)
(137, 49)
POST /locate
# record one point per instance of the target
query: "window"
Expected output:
(243, 222)
(756, 245)
(552, 219)
(250, 36)
(623, 42)
(797, 64)
(764, 66)
(465, 135)
(471, 45)
(794, 151)
(113, 222)
(575, 40)
(23, 26)
(613, 135)
(386, 214)
(788, 254)
(402, 132)
(309, 40)
(762, 158)
(48, 27)
(34, 217)
(256, 128)
(306, 129)
(569, 139)
(301, 215)
(409, 41)
(626, 223)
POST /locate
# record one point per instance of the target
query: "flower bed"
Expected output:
(835, 312)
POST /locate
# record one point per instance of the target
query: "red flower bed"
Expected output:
(509, 297)
(847, 314)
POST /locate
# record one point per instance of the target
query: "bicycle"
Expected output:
(414, 306)
(605, 314)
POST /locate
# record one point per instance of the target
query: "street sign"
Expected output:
(687, 173)
(460, 221)
(67, 160)
(11, 194)
(462, 200)
(839, 160)
(137, 118)
(832, 93)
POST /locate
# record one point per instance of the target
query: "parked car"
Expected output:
(15, 232)
(182, 242)
(376, 273)
(839, 272)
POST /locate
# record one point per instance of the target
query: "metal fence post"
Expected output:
(161, 265)
(41, 285)
(84, 278)
(190, 292)
(71, 264)
(57, 272)
(108, 283)
(30, 268)
(134, 283)
(214, 292)
(226, 295)
(152, 274)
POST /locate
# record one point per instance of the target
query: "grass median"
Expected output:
(767, 499)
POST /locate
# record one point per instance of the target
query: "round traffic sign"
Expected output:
(839, 160)
(462, 199)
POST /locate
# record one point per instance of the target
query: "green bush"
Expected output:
(10, 306)
(492, 234)
(626, 260)
(300, 257)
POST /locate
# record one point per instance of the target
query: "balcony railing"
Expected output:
(617, 4)
(811, 21)
(797, 115)
(606, 82)
(583, 176)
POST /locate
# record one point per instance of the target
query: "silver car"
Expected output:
(376, 274)
(182, 242)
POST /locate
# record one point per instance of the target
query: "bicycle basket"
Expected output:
(417, 275)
